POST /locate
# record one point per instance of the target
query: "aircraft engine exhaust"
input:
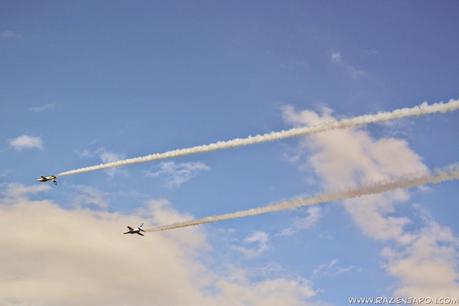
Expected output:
(447, 174)
(419, 110)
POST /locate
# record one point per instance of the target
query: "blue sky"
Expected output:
(92, 81)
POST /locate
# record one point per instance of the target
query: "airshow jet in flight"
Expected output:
(51, 178)
(138, 230)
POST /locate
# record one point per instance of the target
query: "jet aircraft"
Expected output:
(51, 178)
(138, 230)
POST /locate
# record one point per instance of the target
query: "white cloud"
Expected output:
(8, 34)
(427, 266)
(41, 108)
(304, 223)
(105, 156)
(258, 244)
(85, 153)
(18, 191)
(26, 142)
(176, 174)
(288, 231)
(331, 268)
(164, 213)
(311, 219)
(337, 59)
(90, 196)
(237, 290)
(108, 156)
(54, 256)
(345, 158)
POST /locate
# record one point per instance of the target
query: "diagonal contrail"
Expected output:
(447, 174)
(419, 110)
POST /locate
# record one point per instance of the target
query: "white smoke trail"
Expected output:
(449, 173)
(419, 110)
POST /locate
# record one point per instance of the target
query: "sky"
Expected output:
(86, 82)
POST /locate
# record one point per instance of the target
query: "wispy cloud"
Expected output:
(8, 34)
(41, 108)
(305, 223)
(176, 174)
(105, 156)
(90, 196)
(296, 64)
(337, 59)
(332, 268)
(85, 153)
(108, 156)
(311, 220)
(255, 244)
(16, 191)
(24, 142)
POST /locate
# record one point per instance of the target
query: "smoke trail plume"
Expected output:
(419, 110)
(447, 174)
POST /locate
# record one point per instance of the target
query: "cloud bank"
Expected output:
(424, 261)
(63, 257)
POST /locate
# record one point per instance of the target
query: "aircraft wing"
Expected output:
(140, 234)
(130, 228)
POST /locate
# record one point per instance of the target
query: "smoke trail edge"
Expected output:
(446, 174)
(419, 110)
